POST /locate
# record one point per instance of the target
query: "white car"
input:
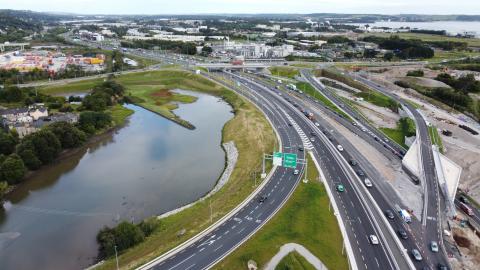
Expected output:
(312, 139)
(340, 148)
(368, 183)
(317, 124)
(373, 239)
(295, 172)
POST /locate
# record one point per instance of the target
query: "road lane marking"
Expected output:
(241, 230)
(190, 266)
(218, 247)
(182, 261)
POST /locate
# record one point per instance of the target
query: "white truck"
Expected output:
(405, 215)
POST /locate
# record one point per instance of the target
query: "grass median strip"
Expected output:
(435, 137)
(252, 135)
(288, 72)
(311, 91)
(305, 219)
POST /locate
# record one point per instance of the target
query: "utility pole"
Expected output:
(211, 211)
(305, 180)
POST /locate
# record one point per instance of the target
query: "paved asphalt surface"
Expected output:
(382, 192)
(360, 217)
(431, 221)
(371, 130)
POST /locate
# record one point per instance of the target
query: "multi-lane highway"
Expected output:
(382, 138)
(386, 198)
(362, 218)
(432, 217)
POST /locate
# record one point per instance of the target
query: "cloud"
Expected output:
(246, 6)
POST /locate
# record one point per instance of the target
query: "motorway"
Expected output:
(381, 191)
(357, 212)
(382, 138)
(431, 219)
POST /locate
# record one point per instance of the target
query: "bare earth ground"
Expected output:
(463, 148)
(381, 117)
(470, 256)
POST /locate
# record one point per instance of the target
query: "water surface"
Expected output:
(148, 167)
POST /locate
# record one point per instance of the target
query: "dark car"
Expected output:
(262, 198)
(330, 138)
(353, 162)
(289, 124)
(360, 173)
(403, 234)
(313, 134)
(389, 214)
(442, 267)
(463, 199)
(300, 149)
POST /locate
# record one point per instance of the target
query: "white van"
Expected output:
(340, 148)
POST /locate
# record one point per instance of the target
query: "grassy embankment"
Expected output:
(435, 137)
(287, 72)
(405, 128)
(368, 94)
(252, 135)
(305, 219)
(151, 90)
(309, 90)
(294, 261)
(475, 42)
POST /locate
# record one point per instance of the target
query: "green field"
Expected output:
(449, 55)
(379, 99)
(288, 72)
(119, 114)
(396, 135)
(70, 88)
(309, 90)
(252, 135)
(405, 128)
(294, 261)
(306, 220)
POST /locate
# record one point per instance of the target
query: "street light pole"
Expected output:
(116, 256)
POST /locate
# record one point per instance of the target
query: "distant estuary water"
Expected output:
(146, 168)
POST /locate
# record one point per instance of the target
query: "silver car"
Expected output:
(416, 255)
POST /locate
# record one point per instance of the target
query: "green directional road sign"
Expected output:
(289, 160)
(277, 158)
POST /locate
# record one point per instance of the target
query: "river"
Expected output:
(146, 168)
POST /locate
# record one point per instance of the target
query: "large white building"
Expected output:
(252, 50)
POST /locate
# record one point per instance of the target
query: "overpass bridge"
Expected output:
(8, 44)
(247, 65)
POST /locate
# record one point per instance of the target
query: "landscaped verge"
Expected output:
(305, 219)
(252, 135)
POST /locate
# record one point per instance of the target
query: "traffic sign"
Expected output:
(289, 160)
(277, 158)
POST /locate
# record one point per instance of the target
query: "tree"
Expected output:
(12, 169)
(44, 145)
(7, 143)
(388, 56)
(95, 120)
(3, 188)
(106, 242)
(68, 135)
(12, 94)
(127, 235)
(26, 150)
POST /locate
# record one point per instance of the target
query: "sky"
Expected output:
(246, 6)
